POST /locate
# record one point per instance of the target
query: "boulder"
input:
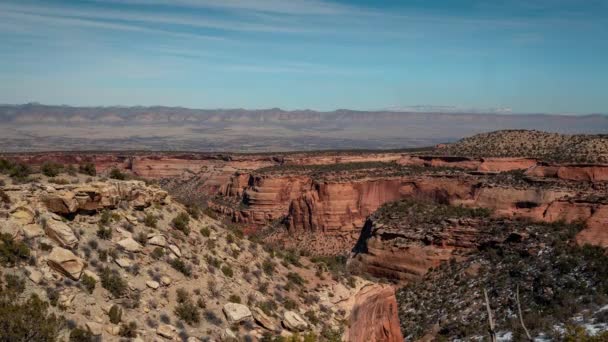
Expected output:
(175, 250)
(61, 203)
(33, 274)
(59, 231)
(123, 262)
(294, 322)
(65, 262)
(23, 215)
(31, 231)
(152, 284)
(157, 240)
(236, 312)
(264, 320)
(94, 328)
(130, 245)
(165, 280)
(166, 330)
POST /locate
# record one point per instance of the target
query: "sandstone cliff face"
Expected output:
(303, 159)
(374, 317)
(328, 207)
(588, 173)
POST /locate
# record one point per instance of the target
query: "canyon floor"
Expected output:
(312, 246)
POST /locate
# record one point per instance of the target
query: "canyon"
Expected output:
(331, 203)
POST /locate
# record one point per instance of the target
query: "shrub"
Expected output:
(20, 171)
(93, 244)
(87, 169)
(234, 299)
(4, 198)
(209, 212)
(80, 335)
(103, 255)
(181, 266)
(292, 256)
(117, 174)
(188, 312)
(268, 267)
(227, 270)
(104, 233)
(88, 282)
(51, 169)
(295, 278)
(182, 295)
(113, 282)
(115, 314)
(158, 253)
(14, 284)
(181, 222)
(205, 232)
(12, 251)
(269, 307)
(150, 220)
(28, 320)
(128, 330)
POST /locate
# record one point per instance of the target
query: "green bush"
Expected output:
(182, 295)
(87, 169)
(113, 282)
(295, 278)
(227, 270)
(115, 314)
(181, 222)
(117, 174)
(128, 330)
(205, 232)
(88, 282)
(234, 299)
(188, 312)
(150, 220)
(104, 232)
(4, 198)
(51, 169)
(268, 267)
(158, 253)
(20, 171)
(11, 251)
(181, 266)
(14, 284)
(27, 320)
(79, 334)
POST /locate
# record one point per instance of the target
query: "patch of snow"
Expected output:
(504, 336)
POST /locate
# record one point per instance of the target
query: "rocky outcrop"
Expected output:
(59, 231)
(65, 262)
(294, 322)
(98, 196)
(236, 312)
(374, 317)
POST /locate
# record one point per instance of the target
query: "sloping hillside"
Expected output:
(532, 144)
(120, 259)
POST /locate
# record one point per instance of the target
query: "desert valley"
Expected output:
(312, 246)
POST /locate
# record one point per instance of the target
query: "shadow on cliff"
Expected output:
(366, 233)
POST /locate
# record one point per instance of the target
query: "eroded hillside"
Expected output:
(121, 259)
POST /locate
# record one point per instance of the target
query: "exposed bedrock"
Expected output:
(374, 317)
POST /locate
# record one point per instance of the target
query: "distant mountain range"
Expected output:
(40, 127)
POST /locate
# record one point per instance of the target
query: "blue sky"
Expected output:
(527, 55)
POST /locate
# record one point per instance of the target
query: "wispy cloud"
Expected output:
(96, 24)
(155, 18)
(299, 7)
